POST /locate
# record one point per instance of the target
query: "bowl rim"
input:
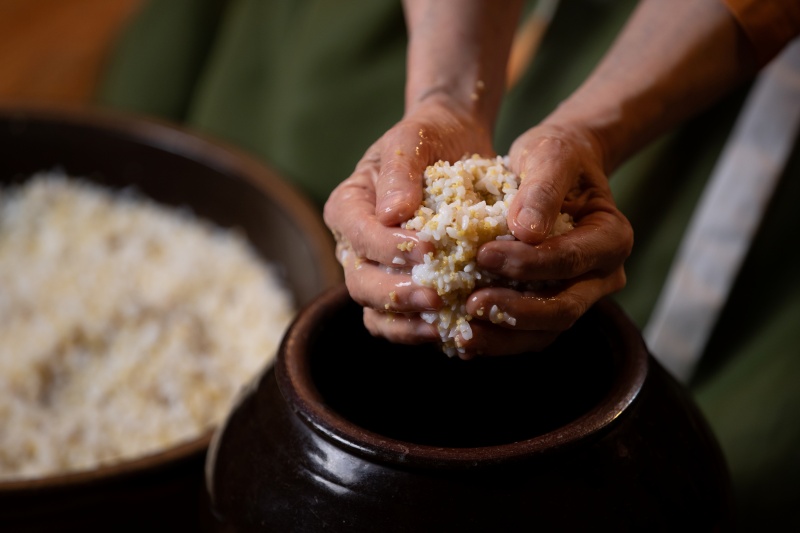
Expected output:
(113, 472)
(202, 147)
(293, 377)
(208, 150)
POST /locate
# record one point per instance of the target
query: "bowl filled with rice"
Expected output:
(148, 274)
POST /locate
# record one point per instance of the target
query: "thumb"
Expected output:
(400, 181)
(546, 171)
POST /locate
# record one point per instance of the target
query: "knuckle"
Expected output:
(618, 280)
(625, 240)
(546, 190)
(571, 261)
(569, 311)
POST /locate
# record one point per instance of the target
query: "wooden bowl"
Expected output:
(174, 167)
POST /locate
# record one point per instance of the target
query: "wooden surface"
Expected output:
(51, 51)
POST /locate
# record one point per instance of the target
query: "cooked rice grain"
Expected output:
(465, 205)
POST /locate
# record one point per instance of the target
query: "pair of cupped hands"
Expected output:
(561, 169)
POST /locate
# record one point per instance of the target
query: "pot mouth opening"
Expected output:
(414, 405)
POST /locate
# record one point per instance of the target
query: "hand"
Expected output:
(561, 170)
(365, 212)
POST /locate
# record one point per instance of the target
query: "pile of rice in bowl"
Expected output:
(126, 327)
(465, 205)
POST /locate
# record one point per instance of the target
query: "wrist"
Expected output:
(454, 103)
(457, 53)
(616, 127)
(594, 132)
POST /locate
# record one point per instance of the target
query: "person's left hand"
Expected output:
(561, 170)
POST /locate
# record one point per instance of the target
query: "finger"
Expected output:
(353, 198)
(550, 308)
(491, 340)
(546, 171)
(404, 156)
(400, 328)
(350, 214)
(600, 242)
(386, 289)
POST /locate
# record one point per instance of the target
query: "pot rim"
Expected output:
(294, 381)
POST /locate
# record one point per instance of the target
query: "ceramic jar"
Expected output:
(348, 432)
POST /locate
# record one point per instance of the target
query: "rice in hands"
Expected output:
(465, 205)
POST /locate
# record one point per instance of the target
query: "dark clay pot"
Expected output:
(351, 433)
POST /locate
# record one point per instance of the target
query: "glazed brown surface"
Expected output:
(591, 433)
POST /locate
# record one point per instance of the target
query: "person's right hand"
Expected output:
(366, 210)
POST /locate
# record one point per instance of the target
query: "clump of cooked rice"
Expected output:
(125, 326)
(465, 205)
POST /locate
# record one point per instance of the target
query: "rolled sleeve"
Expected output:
(768, 24)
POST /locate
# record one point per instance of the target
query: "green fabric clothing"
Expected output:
(274, 77)
(308, 85)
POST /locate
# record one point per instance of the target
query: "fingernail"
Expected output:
(530, 219)
(491, 259)
(393, 203)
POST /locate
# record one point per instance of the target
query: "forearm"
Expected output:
(458, 50)
(673, 58)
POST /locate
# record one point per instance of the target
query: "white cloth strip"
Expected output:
(728, 214)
